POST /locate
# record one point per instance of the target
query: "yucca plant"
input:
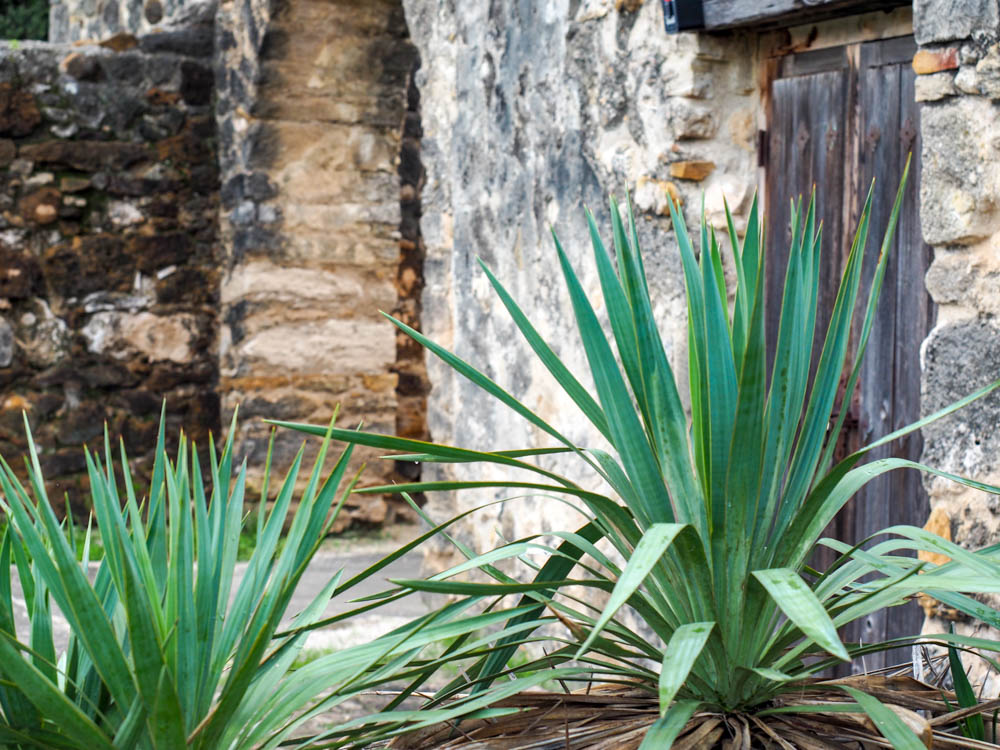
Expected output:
(715, 514)
(165, 650)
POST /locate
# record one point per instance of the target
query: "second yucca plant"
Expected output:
(716, 513)
(169, 646)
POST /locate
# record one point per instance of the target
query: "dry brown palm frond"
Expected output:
(616, 717)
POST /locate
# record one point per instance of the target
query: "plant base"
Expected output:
(614, 717)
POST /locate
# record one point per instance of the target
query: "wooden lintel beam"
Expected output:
(764, 14)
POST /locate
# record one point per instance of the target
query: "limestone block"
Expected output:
(336, 346)
(717, 48)
(969, 53)
(19, 113)
(322, 217)
(6, 343)
(935, 60)
(324, 147)
(43, 337)
(655, 195)
(157, 337)
(691, 170)
(988, 72)
(124, 214)
(945, 20)
(691, 121)
(153, 11)
(354, 243)
(191, 41)
(969, 278)
(743, 128)
(313, 400)
(693, 80)
(949, 277)
(357, 65)
(966, 80)
(934, 87)
(19, 273)
(960, 357)
(120, 42)
(40, 206)
(75, 20)
(305, 183)
(728, 190)
(307, 18)
(939, 523)
(86, 156)
(341, 292)
(143, 299)
(960, 178)
(73, 184)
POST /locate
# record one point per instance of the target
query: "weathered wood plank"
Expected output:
(896, 498)
(896, 51)
(865, 111)
(814, 61)
(879, 158)
(806, 151)
(726, 14)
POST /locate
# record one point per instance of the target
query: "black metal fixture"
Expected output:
(682, 15)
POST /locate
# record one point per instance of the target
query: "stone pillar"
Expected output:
(959, 86)
(311, 110)
(530, 112)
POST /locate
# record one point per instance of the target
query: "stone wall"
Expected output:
(79, 20)
(312, 106)
(108, 246)
(959, 87)
(515, 141)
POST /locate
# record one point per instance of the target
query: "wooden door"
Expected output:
(837, 118)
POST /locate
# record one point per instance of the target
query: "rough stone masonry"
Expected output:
(959, 89)
(302, 126)
(109, 256)
(532, 111)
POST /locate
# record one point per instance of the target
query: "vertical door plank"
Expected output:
(807, 141)
(838, 129)
(878, 158)
(809, 120)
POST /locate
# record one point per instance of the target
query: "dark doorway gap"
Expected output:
(412, 385)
